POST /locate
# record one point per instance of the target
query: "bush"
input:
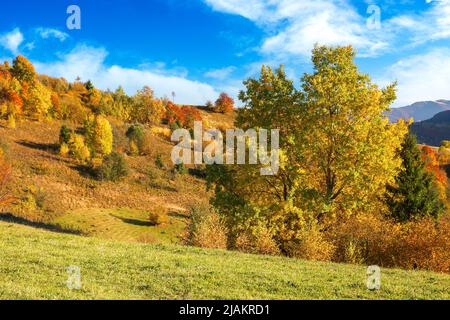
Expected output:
(159, 162)
(135, 135)
(159, 216)
(180, 168)
(64, 135)
(310, 245)
(64, 150)
(206, 229)
(78, 149)
(258, 240)
(113, 168)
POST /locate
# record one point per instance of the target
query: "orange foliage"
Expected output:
(225, 103)
(432, 165)
(184, 116)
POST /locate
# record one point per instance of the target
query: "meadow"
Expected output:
(121, 270)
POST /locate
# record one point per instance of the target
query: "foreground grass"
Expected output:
(33, 266)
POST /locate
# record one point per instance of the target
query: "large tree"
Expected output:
(338, 150)
(413, 195)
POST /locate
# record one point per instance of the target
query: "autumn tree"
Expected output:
(99, 135)
(224, 103)
(432, 165)
(337, 148)
(23, 70)
(146, 108)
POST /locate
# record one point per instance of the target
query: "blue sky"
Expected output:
(199, 48)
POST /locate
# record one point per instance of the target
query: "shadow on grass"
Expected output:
(49, 147)
(135, 222)
(9, 218)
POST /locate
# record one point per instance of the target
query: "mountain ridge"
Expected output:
(419, 111)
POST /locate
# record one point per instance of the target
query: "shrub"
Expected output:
(159, 162)
(148, 143)
(310, 245)
(180, 168)
(135, 135)
(258, 240)
(78, 148)
(425, 245)
(64, 150)
(64, 135)
(366, 239)
(11, 122)
(113, 168)
(206, 229)
(159, 216)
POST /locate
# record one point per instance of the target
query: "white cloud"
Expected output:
(89, 64)
(46, 33)
(12, 40)
(220, 74)
(293, 27)
(421, 77)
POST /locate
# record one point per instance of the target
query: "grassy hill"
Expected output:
(55, 192)
(33, 266)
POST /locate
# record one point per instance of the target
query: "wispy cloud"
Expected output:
(220, 74)
(12, 40)
(421, 77)
(46, 33)
(88, 63)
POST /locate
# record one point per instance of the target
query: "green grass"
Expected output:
(33, 266)
(122, 225)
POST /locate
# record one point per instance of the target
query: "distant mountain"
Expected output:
(420, 111)
(433, 131)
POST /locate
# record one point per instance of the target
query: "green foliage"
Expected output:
(413, 195)
(23, 70)
(159, 162)
(180, 168)
(113, 168)
(64, 135)
(135, 135)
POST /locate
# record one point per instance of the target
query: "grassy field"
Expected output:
(33, 266)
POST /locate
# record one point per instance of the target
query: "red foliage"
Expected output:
(184, 116)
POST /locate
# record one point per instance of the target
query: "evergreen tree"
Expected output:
(413, 195)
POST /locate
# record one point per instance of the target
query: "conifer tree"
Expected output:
(413, 195)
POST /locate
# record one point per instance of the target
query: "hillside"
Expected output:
(55, 192)
(116, 270)
(433, 131)
(419, 111)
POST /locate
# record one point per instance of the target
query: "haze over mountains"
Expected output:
(420, 111)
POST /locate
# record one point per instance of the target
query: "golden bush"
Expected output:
(158, 216)
(257, 241)
(310, 245)
(206, 229)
